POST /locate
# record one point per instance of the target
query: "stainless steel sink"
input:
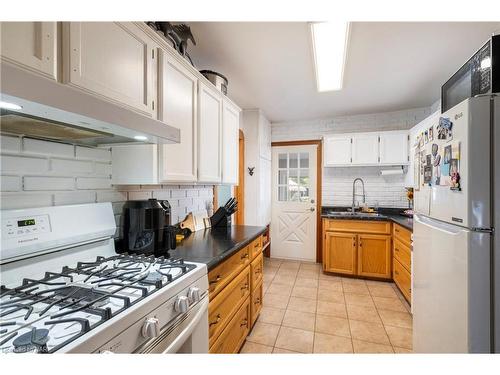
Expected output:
(354, 214)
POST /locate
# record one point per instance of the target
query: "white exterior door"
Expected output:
(365, 149)
(337, 150)
(293, 222)
(31, 45)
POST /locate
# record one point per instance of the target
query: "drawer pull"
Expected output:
(257, 301)
(396, 249)
(258, 270)
(396, 272)
(217, 279)
(244, 256)
(244, 287)
(217, 320)
(244, 323)
(396, 230)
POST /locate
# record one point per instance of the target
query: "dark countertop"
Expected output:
(212, 246)
(385, 214)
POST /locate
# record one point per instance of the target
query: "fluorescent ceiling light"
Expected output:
(141, 138)
(329, 41)
(12, 106)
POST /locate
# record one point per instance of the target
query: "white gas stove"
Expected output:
(65, 289)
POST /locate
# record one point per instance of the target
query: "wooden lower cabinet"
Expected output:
(257, 297)
(340, 253)
(236, 296)
(233, 336)
(226, 303)
(374, 255)
(402, 278)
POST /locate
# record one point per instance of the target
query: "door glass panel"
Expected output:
(304, 160)
(282, 193)
(293, 177)
(282, 177)
(282, 160)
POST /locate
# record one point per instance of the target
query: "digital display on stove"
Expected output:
(26, 222)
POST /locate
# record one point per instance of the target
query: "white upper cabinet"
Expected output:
(178, 108)
(365, 149)
(394, 148)
(113, 60)
(209, 134)
(30, 45)
(337, 150)
(230, 136)
(384, 148)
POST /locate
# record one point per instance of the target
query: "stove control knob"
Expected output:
(181, 304)
(151, 328)
(194, 294)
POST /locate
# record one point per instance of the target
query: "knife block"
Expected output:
(221, 218)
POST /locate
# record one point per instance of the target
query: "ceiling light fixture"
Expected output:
(329, 40)
(141, 138)
(12, 106)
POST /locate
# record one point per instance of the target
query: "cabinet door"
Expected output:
(178, 108)
(374, 255)
(209, 125)
(113, 60)
(30, 45)
(365, 149)
(340, 253)
(394, 148)
(230, 154)
(337, 151)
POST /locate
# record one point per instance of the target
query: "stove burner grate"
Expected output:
(35, 340)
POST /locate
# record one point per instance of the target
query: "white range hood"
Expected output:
(59, 112)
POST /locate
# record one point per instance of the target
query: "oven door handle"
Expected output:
(181, 338)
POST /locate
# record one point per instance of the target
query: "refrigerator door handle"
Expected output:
(483, 230)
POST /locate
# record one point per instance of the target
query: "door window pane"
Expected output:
(294, 160)
(282, 160)
(304, 160)
(293, 193)
(282, 177)
(304, 177)
(282, 193)
(293, 177)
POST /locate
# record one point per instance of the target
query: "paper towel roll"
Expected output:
(391, 172)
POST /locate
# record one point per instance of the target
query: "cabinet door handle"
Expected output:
(217, 320)
(217, 279)
(396, 272)
(396, 249)
(257, 301)
(244, 287)
(244, 323)
(244, 256)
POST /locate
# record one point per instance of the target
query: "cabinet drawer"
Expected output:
(358, 226)
(402, 278)
(234, 334)
(256, 268)
(221, 275)
(402, 253)
(256, 247)
(257, 297)
(227, 302)
(402, 234)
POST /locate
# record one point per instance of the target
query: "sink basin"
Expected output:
(354, 214)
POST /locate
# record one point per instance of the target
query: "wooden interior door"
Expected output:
(340, 253)
(374, 255)
(239, 190)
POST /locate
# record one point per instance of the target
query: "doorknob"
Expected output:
(312, 200)
(312, 209)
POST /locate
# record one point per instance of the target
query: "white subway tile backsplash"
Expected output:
(93, 183)
(10, 144)
(111, 196)
(48, 148)
(93, 153)
(48, 183)
(25, 200)
(22, 165)
(74, 197)
(178, 193)
(71, 166)
(103, 169)
(10, 183)
(162, 194)
(139, 195)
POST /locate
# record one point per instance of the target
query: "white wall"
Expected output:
(37, 173)
(388, 191)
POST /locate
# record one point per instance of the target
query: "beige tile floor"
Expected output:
(308, 311)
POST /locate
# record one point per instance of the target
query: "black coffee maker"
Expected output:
(147, 229)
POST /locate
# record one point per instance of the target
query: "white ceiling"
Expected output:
(390, 66)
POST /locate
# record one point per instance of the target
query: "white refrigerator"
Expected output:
(456, 259)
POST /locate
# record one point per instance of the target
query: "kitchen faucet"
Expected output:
(354, 191)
